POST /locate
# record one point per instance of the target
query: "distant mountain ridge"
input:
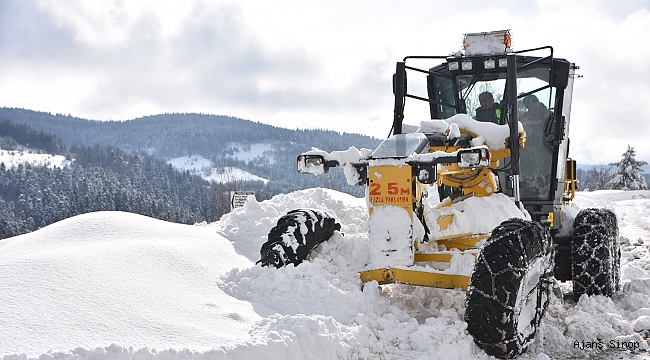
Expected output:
(220, 139)
(173, 135)
(217, 138)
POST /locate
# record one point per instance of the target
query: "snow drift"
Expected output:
(112, 285)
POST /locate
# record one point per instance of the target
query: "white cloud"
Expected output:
(312, 63)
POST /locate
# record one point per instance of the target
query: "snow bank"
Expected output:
(329, 284)
(247, 227)
(176, 292)
(379, 321)
(112, 277)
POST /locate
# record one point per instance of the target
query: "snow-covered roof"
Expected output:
(487, 43)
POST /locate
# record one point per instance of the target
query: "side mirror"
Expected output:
(312, 164)
(570, 170)
(473, 158)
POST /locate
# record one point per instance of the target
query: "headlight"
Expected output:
(452, 65)
(503, 62)
(467, 65)
(470, 159)
(473, 158)
(489, 63)
(313, 161)
(312, 164)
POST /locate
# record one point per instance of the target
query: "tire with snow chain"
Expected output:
(295, 235)
(509, 288)
(595, 252)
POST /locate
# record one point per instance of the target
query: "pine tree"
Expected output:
(629, 175)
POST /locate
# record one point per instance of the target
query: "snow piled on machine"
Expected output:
(492, 135)
(345, 158)
(487, 43)
(476, 215)
(158, 290)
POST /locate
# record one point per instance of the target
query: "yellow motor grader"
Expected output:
(474, 198)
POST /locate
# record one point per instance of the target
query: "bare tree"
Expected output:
(228, 182)
(601, 175)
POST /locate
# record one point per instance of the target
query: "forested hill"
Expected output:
(12, 136)
(102, 179)
(174, 135)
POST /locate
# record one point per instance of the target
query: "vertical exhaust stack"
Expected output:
(399, 89)
(511, 109)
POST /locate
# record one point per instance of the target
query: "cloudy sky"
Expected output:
(310, 63)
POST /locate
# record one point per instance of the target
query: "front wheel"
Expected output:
(296, 234)
(509, 289)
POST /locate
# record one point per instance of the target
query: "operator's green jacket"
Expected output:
(489, 115)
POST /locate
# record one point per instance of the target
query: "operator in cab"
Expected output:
(536, 111)
(536, 157)
(489, 111)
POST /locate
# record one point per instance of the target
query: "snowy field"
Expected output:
(198, 165)
(248, 152)
(112, 285)
(12, 158)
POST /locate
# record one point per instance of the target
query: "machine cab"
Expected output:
(535, 90)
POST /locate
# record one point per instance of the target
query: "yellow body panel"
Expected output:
(413, 277)
(396, 186)
(478, 182)
(569, 181)
(445, 221)
(391, 185)
(433, 257)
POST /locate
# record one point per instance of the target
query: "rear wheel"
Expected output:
(595, 252)
(295, 235)
(509, 289)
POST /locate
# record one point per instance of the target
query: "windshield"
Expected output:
(482, 95)
(536, 104)
(400, 146)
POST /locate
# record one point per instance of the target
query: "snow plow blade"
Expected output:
(462, 241)
(412, 277)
